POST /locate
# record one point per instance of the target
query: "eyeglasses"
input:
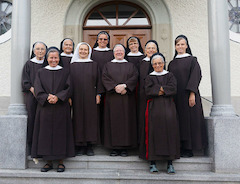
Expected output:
(159, 63)
(105, 39)
(42, 49)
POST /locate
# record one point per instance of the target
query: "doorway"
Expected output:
(120, 19)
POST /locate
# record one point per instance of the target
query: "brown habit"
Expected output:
(102, 57)
(66, 62)
(142, 99)
(191, 120)
(28, 77)
(135, 60)
(162, 138)
(86, 82)
(120, 127)
(53, 133)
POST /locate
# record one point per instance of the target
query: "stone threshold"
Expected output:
(104, 174)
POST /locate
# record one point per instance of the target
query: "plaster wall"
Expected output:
(5, 70)
(185, 17)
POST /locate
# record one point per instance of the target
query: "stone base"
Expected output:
(13, 131)
(224, 143)
(222, 110)
(17, 109)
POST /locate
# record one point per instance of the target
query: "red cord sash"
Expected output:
(146, 127)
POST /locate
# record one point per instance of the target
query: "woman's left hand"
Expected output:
(192, 101)
(98, 99)
(52, 99)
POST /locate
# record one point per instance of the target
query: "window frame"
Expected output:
(7, 35)
(116, 27)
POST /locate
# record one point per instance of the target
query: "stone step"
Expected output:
(105, 176)
(130, 163)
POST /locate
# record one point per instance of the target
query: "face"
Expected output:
(133, 46)
(83, 51)
(39, 51)
(102, 41)
(119, 53)
(53, 59)
(67, 46)
(181, 46)
(150, 49)
(158, 64)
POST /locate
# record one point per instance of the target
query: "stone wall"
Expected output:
(185, 17)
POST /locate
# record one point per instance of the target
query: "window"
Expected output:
(234, 19)
(117, 15)
(5, 20)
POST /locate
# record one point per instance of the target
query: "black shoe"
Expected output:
(61, 169)
(114, 153)
(90, 151)
(81, 151)
(47, 168)
(124, 153)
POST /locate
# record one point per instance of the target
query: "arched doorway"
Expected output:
(120, 19)
(155, 10)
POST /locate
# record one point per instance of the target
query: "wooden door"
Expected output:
(118, 36)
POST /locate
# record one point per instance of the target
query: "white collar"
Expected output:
(119, 61)
(159, 73)
(182, 55)
(146, 59)
(34, 60)
(81, 60)
(134, 54)
(67, 55)
(53, 68)
(101, 49)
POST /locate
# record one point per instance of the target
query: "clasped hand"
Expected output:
(121, 89)
(52, 99)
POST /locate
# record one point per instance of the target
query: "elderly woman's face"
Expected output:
(150, 49)
(39, 51)
(67, 46)
(53, 59)
(83, 51)
(158, 64)
(133, 46)
(119, 53)
(181, 46)
(102, 41)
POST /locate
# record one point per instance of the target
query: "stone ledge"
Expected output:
(129, 163)
(103, 174)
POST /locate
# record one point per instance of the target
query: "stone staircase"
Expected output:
(103, 169)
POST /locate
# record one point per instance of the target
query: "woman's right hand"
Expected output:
(32, 90)
(192, 101)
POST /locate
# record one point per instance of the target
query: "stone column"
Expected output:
(219, 58)
(13, 127)
(223, 125)
(20, 42)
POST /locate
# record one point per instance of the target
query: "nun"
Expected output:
(66, 50)
(151, 48)
(101, 50)
(28, 77)
(102, 54)
(187, 71)
(134, 51)
(53, 133)
(161, 129)
(86, 97)
(120, 78)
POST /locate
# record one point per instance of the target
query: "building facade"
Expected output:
(53, 20)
